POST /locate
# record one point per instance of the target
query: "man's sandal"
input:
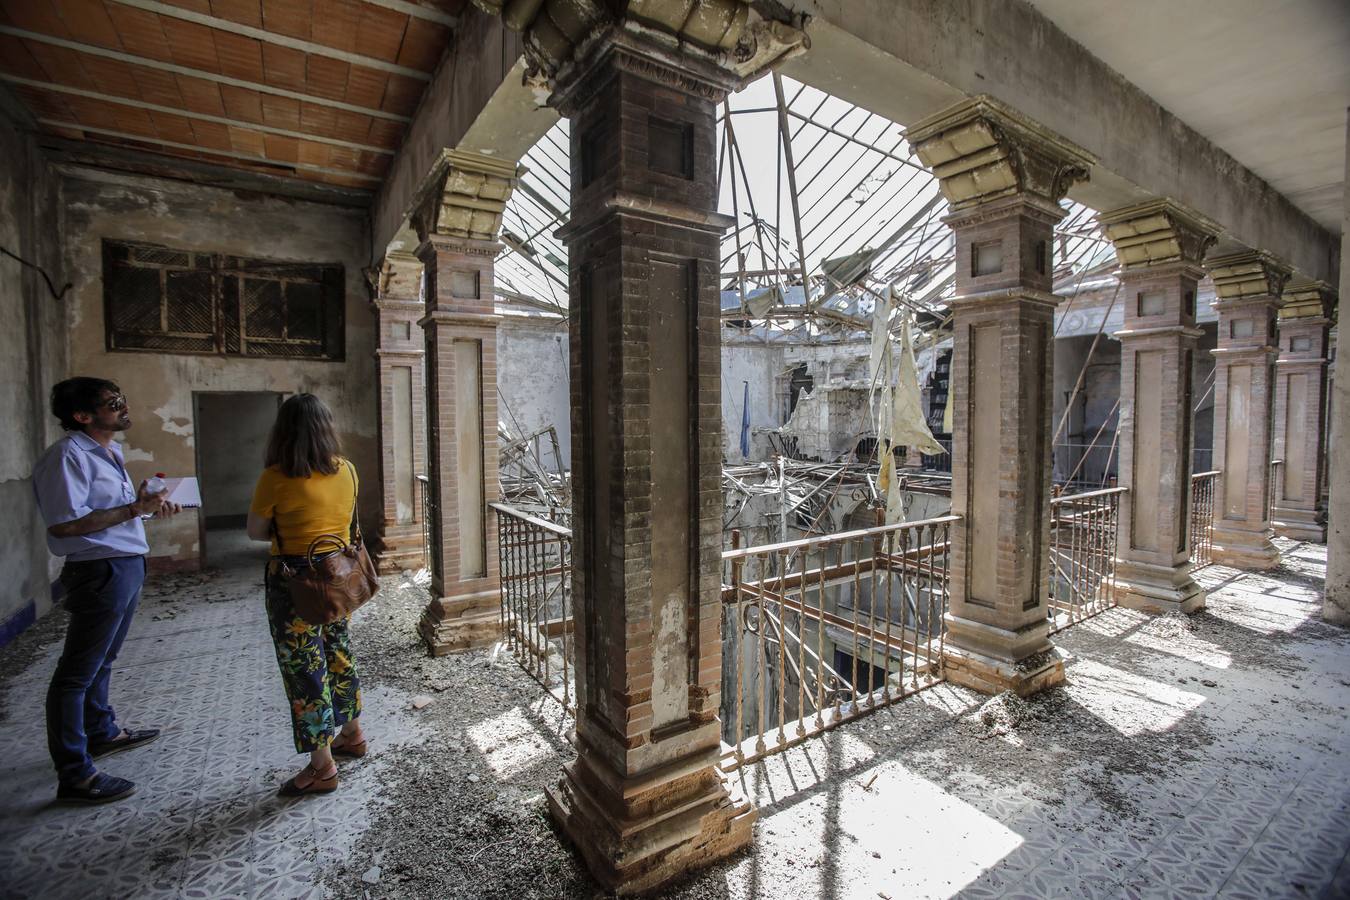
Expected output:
(125, 741)
(317, 786)
(102, 788)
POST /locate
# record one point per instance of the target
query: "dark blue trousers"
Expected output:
(101, 595)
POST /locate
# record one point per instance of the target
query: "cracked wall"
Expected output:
(160, 386)
(32, 349)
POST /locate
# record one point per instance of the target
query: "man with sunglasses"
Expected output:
(93, 517)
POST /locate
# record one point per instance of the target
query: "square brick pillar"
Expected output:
(1003, 177)
(1248, 286)
(1299, 510)
(644, 801)
(402, 414)
(1160, 248)
(457, 221)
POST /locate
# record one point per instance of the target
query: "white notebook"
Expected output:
(184, 492)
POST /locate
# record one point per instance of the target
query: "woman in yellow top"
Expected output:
(308, 489)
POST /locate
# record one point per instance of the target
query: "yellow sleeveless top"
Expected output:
(304, 508)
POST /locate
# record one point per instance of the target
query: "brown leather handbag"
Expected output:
(340, 576)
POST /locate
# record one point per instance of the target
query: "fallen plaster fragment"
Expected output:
(421, 701)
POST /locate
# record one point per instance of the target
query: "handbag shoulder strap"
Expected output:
(354, 529)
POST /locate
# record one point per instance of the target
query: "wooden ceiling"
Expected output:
(316, 90)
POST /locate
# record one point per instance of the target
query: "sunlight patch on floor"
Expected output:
(1127, 702)
(510, 743)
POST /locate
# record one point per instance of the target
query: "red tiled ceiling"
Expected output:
(325, 77)
(318, 119)
(381, 31)
(245, 140)
(241, 103)
(201, 6)
(88, 22)
(212, 134)
(284, 67)
(365, 87)
(352, 127)
(335, 24)
(41, 17)
(287, 17)
(92, 113)
(61, 65)
(173, 128)
(110, 76)
(140, 32)
(45, 104)
(192, 44)
(282, 148)
(156, 86)
(423, 43)
(281, 112)
(401, 95)
(384, 133)
(133, 120)
(240, 57)
(16, 60)
(245, 12)
(200, 95)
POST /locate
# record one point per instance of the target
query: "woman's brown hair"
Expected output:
(303, 441)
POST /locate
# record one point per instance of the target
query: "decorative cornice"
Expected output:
(1306, 299)
(464, 196)
(981, 150)
(727, 34)
(1159, 232)
(400, 277)
(1249, 273)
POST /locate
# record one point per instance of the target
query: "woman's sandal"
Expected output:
(354, 750)
(317, 786)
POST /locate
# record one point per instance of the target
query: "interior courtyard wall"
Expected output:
(32, 348)
(160, 386)
(757, 366)
(532, 379)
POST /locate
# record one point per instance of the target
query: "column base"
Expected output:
(1157, 589)
(1299, 524)
(1242, 549)
(1334, 613)
(992, 660)
(454, 624)
(401, 547)
(640, 833)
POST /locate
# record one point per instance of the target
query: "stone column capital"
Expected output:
(725, 35)
(1247, 274)
(1308, 302)
(464, 196)
(1159, 233)
(981, 150)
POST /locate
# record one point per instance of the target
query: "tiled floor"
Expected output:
(1212, 761)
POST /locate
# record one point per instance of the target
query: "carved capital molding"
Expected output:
(464, 196)
(1306, 299)
(1157, 233)
(726, 34)
(400, 277)
(1249, 273)
(981, 150)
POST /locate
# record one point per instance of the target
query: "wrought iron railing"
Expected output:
(1203, 485)
(1083, 530)
(536, 609)
(822, 630)
(1276, 484)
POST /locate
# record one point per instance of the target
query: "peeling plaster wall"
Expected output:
(32, 349)
(532, 373)
(160, 387)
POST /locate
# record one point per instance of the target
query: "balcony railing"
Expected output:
(536, 610)
(428, 515)
(1276, 484)
(1202, 517)
(822, 630)
(1082, 555)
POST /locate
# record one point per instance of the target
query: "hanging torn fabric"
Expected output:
(908, 425)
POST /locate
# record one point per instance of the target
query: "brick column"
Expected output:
(457, 222)
(1003, 177)
(1299, 511)
(644, 801)
(1160, 248)
(399, 371)
(1248, 287)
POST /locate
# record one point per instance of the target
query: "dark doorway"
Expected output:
(231, 435)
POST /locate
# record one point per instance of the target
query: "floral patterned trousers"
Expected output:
(317, 668)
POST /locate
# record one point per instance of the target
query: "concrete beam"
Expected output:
(907, 59)
(477, 101)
